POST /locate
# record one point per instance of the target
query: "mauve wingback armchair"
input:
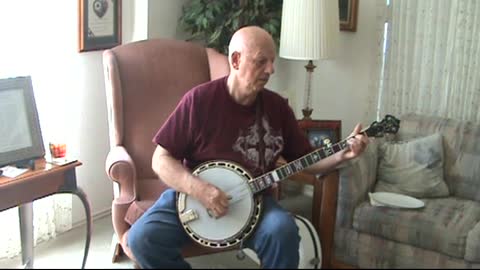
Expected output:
(144, 81)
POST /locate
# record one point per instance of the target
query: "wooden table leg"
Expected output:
(83, 197)
(316, 204)
(328, 211)
(71, 187)
(88, 213)
(25, 212)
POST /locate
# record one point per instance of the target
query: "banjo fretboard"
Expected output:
(201, 225)
(264, 181)
(389, 124)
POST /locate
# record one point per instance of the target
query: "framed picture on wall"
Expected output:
(348, 10)
(320, 132)
(100, 24)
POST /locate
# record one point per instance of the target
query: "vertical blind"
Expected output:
(432, 59)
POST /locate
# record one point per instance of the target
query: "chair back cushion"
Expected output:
(147, 79)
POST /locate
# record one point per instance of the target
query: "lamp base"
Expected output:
(306, 113)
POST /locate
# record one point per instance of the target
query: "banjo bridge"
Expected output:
(188, 216)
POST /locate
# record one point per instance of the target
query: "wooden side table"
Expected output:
(46, 179)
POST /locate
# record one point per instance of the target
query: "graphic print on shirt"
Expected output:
(248, 144)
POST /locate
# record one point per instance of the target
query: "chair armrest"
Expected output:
(355, 181)
(120, 168)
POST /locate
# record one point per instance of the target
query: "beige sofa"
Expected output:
(443, 234)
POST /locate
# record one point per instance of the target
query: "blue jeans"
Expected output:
(157, 237)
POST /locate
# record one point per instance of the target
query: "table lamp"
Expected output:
(309, 31)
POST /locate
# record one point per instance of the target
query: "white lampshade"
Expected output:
(310, 29)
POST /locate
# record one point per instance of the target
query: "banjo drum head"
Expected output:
(229, 229)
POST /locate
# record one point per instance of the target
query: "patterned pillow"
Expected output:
(413, 167)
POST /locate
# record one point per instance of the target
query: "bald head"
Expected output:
(249, 39)
(251, 54)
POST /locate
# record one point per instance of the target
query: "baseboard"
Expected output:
(98, 215)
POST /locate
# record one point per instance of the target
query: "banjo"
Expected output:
(245, 207)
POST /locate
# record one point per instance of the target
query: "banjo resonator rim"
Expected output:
(249, 226)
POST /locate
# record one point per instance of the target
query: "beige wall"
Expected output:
(141, 19)
(340, 86)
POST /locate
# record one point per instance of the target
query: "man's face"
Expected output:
(256, 66)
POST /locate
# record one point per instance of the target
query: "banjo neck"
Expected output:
(242, 219)
(281, 173)
(389, 124)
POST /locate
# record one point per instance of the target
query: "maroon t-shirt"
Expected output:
(208, 124)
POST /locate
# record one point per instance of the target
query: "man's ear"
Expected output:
(235, 59)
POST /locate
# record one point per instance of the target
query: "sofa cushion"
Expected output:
(367, 251)
(442, 225)
(413, 168)
(472, 252)
(461, 145)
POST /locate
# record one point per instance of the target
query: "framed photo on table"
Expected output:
(100, 24)
(319, 131)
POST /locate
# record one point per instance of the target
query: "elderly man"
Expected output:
(233, 118)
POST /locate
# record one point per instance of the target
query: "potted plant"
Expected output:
(213, 22)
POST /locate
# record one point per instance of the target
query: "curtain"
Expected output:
(378, 51)
(432, 59)
(32, 47)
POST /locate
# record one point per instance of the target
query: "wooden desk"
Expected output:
(46, 179)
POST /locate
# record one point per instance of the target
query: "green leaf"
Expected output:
(215, 21)
(235, 23)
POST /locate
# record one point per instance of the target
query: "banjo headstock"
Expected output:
(390, 124)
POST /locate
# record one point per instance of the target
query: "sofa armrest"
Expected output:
(355, 181)
(120, 168)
